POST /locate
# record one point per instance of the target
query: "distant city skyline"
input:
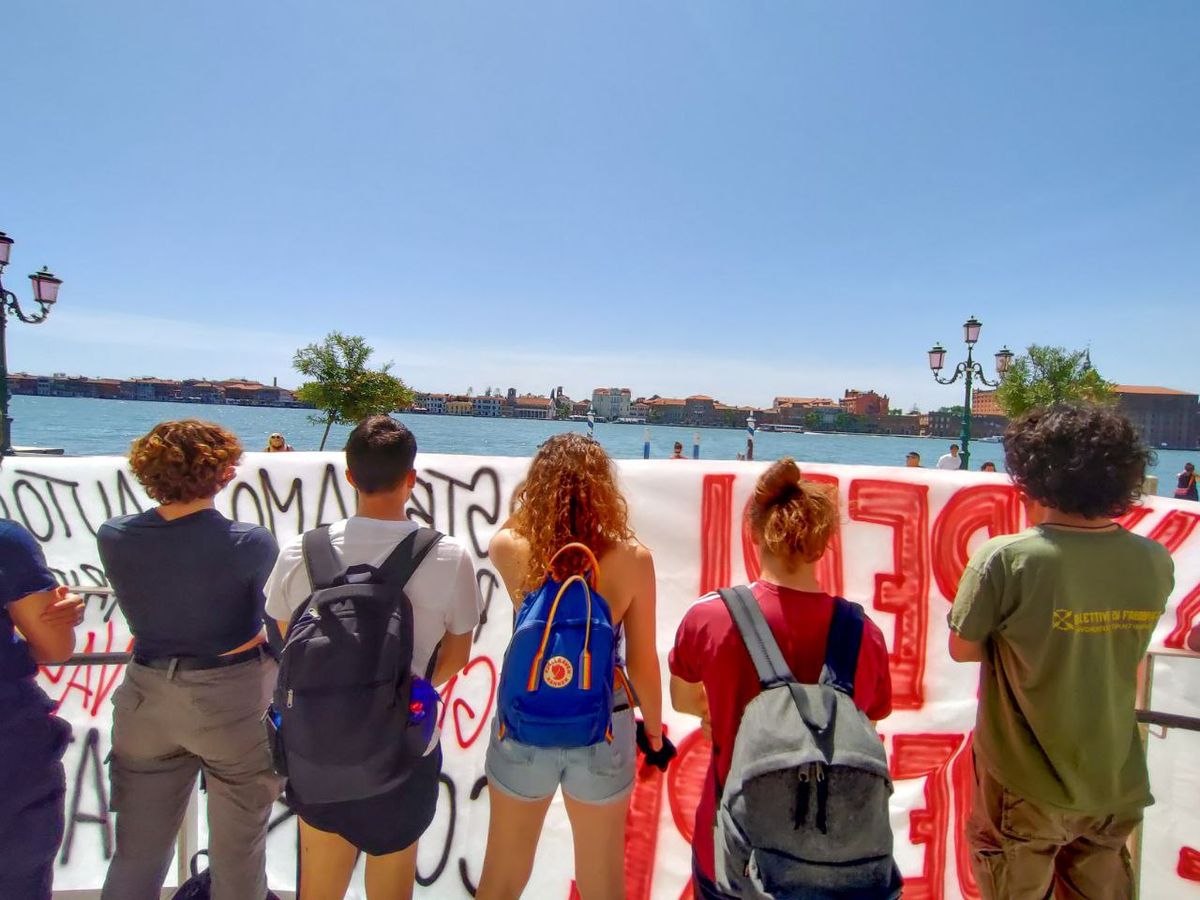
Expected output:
(725, 200)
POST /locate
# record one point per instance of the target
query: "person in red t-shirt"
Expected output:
(712, 676)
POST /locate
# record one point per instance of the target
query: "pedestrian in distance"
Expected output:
(1061, 615)
(988, 466)
(950, 460)
(677, 452)
(372, 593)
(1185, 486)
(189, 583)
(276, 443)
(37, 626)
(803, 632)
(568, 540)
(912, 460)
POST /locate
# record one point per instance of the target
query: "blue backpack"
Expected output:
(557, 682)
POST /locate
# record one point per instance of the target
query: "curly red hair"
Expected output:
(570, 495)
(178, 462)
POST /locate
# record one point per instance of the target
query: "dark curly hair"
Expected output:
(178, 462)
(1077, 458)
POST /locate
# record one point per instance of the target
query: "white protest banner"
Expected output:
(906, 535)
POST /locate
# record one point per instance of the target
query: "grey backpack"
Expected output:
(803, 813)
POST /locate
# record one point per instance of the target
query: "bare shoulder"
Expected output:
(630, 557)
(509, 553)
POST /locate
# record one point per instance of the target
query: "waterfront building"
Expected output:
(435, 404)
(529, 406)
(665, 410)
(487, 406)
(699, 409)
(864, 403)
(149, 388)
(201, 391)
(639, 410)
(984, 403)
(611, 403)
(459, 406)
(948, 424)
(1166, 417)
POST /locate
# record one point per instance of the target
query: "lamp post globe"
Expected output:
(1004, 358)
(937, 358)
(971, 329)
(45, 287)
(45, 294)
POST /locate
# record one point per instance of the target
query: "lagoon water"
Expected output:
(93, 427)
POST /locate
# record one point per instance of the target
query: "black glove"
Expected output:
(660, 759)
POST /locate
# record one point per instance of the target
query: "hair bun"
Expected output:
(779, 483)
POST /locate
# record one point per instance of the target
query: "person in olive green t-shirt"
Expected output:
(1061, 616)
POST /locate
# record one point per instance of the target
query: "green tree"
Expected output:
(812, 421)
(1049, 375)
(341, 385)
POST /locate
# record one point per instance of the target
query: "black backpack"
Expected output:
(199, 886)
(340, 724)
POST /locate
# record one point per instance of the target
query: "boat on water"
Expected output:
(785, 429)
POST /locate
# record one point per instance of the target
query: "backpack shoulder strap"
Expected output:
(319, 559)
(756, 634)
(408, 555)
(843, 645)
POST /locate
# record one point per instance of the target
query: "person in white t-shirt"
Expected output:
(950, 460)
(446, 608)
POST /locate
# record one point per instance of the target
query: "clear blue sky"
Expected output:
(741, 199)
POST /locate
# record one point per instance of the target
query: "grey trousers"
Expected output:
(165, 730)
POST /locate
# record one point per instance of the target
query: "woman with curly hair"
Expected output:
(190, 584)
(1061, 615)
(571, 496)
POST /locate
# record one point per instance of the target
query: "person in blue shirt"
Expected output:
(37, 625)
(190, 582)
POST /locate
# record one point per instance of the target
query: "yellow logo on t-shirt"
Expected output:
(1104, 621)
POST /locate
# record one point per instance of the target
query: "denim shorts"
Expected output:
(601, 773)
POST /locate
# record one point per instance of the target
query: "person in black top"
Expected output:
(37, 625)
(190, 584)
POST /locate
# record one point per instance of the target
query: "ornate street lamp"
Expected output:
(970, 371)
(45, 293)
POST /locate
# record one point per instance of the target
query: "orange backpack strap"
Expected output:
(535, 670)
(593, 570)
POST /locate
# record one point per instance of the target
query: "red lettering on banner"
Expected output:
(1175, 528)
(1133, 518)
(641, 831)
(458, 708)
(687, 779)
(716, 531)
(1185, 615)
(904, 591)
(829, 566)
(962, 776)
(994, 507)
(927, 756)
(81, 678)
(1189, 864)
